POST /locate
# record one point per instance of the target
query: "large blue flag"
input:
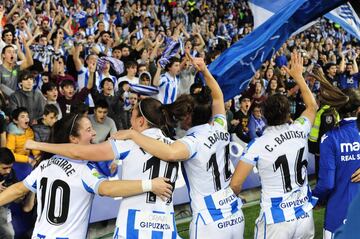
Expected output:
(234, 68)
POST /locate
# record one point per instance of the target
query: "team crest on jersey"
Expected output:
(95, 173)
(219, 121)
(301, 120)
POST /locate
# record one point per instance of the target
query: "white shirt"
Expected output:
(146, 212)
(64, 189)
(281, 158)
(208, 171)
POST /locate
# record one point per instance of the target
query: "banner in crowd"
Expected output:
(234, 68)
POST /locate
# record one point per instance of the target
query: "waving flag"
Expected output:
(234, 68)
(347, 18)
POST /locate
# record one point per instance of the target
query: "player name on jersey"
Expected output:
(216, 137)
(62, 163)
(291, 134)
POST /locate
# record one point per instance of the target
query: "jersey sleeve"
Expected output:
(250, 154)
(220, 120)
(30, 180)
(121, 148)
(303, 123)
(191, 143)
(91, 178)
(327, 167)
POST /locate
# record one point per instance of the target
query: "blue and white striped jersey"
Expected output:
(145, 216)
(168, 88)
(208, 171)
(83, 78)
(65, 189)
(280, 155)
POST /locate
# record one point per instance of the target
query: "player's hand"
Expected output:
(355, 177)
(198, 63)
(2, 187)
(162, 188)
(30, 144)
(296, 66)
(122, 134)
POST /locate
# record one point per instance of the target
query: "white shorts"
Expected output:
(301, 228)
(230, 228)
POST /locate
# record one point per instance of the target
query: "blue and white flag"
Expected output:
(347, 18)
(234, 68)
(344, 15)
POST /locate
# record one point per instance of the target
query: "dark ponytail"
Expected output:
(346, 102)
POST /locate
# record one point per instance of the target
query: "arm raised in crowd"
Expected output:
(28, 61)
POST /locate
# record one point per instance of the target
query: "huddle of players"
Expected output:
(286, 198)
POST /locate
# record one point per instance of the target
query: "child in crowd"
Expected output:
(43, 128)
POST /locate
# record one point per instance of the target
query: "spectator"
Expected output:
(131, 69)
(9, 69)
(241, 119)
(18, 132)
(43, 128)
(103, 125)
(7, 178)
(50, 92)
(257, 122)
(168, 83)
(27, 97)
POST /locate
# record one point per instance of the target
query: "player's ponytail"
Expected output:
(346, 101)
(329, 94)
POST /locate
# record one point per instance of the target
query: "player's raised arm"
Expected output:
(296, 70)
(218, 105)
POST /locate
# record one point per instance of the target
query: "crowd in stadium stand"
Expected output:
(99, 58)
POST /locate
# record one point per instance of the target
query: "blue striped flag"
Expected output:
(235, 67)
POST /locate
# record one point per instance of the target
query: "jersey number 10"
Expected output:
(59, 190)
(171, 171)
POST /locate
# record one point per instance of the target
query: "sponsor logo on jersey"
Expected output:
(231, 222)
(220, 121)
(154, 221)
(95, 173)
(349, 147)
(300, 120)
